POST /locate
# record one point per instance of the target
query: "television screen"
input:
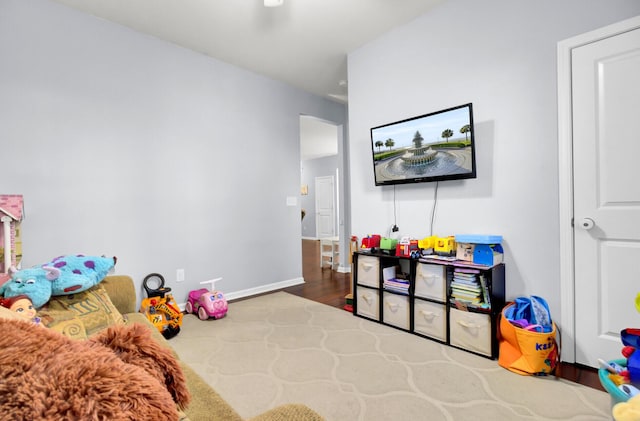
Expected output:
(431, 147)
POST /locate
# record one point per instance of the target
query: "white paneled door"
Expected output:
(605, 106)
(325, 207)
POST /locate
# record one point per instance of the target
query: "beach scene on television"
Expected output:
(435, 145)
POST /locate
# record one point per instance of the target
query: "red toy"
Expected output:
(207, 303)
(371, 241)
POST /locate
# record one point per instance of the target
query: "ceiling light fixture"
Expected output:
(273, 3)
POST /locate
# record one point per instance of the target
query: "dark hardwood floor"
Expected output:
(330, 287)
(321, 284)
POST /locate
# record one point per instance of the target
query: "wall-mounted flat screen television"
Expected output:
(431, 147)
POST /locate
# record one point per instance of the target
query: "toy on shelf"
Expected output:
(207, 303)
(427, 244)
(371, 241)
(480, 249)
(406, 246)
(445, 246)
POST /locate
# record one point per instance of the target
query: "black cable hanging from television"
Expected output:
(433, 209)
(395, 221)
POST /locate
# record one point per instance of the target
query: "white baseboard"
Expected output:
(257, 290)
(344, 269)
(263, 288)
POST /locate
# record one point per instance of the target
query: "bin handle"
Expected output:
(429, 315)
(468, 325)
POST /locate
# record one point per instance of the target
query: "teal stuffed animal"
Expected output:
(35, 283)
(64, 275)
(79, 272)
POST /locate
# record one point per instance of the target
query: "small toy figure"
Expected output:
(207, 303)
(22, 305)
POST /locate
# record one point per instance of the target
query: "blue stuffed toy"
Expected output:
(35, 283)
(64, 275)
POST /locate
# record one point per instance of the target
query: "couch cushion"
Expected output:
(80, 315)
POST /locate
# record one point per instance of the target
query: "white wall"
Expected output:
(500, 55)
(126, 145)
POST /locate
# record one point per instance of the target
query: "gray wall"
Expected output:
(500, 55)
(126, 145)
(312, 168)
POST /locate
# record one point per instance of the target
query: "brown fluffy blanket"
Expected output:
(121, 374)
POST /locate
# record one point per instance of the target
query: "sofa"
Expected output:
(205, 402)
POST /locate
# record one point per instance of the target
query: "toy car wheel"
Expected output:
(188, 308)
(202, 313)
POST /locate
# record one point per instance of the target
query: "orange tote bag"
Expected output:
(527, 352)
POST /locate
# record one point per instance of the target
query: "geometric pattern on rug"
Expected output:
(280, 348)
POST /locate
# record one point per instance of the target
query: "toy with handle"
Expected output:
(207, 303)
(212, 282)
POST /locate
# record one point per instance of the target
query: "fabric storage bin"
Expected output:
(430, 281)
(430, 319)
(470, 331)
(369, 271)
(368, 303)
(395, 310)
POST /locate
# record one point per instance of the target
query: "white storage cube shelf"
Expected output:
(368, 302)
(426, 310)
(369, 271)
(471, 331)
(395, 310)
(430, 281)
(430, 319)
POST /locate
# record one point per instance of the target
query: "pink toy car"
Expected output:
(207, 303)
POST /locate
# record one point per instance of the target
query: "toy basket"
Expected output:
(616, 394)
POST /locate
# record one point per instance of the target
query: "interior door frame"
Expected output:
(565, 176)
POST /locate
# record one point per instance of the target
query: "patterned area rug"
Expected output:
(280, 348)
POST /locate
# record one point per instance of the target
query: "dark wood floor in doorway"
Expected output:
(330, 287)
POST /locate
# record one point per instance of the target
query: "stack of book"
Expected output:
(469, 287)
(400, 286)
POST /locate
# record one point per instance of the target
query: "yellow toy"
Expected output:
(445, 246)
(160, 307)
(427, 242)
(627, 411)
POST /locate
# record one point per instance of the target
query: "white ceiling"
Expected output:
(318, 138)
(303, 42)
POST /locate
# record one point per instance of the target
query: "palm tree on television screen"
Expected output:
(447, 134)
(389, 143)
(465, 131)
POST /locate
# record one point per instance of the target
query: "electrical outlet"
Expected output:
(180, 275)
